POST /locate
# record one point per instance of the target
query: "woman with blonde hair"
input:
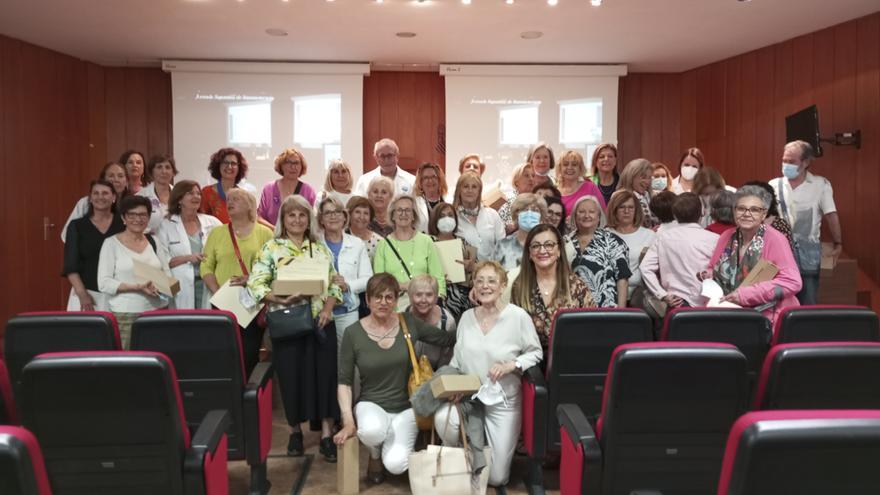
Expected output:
(337, 183)
(478, 225)
(429, 190)
(603, 167)
(528, 211)
(290, 164)
(661, 178)
(523, 181)
(540, 156)
(380, 191)
(570, 180)
(306, 366)
(636, 177)
(471, 162)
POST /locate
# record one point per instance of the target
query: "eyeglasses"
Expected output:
(548, 246)
(389, 298)
(333, 214)
(626, 207)
(486, 281)
(229, 164)
(403, 211)
(387, 156)
(551, 213)
(753, 211)
(135, 215)
(429, 177)
(292, 163)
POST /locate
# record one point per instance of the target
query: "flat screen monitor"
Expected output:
(804, 126)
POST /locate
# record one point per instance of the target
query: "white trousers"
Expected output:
(502, 424)
(343, 321)
(391, 435)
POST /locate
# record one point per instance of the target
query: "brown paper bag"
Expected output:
(348, 468)
(762, 272)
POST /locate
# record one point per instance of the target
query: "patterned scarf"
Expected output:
(729, 272)
(469, 212)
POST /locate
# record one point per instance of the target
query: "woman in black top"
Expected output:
(85, 236)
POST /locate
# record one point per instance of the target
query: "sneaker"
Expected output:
(327, 449)
(295, 445)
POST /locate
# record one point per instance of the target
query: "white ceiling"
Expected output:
(648, 35)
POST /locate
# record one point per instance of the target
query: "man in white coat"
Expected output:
(386, 152)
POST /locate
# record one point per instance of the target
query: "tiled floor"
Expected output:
(285, 471)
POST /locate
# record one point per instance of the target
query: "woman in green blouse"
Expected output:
(306, 366)
(382, 419)
(406, 252)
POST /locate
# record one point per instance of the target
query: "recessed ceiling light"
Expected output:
(276, 32)
(466, 2)
(405, 34)
(596, 3)
(531, 35)
(508, 2)
(552, 2)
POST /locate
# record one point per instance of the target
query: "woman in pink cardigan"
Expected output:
(739, 249)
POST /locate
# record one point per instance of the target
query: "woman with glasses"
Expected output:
(183, 233)
(382, 419)
(478, 225)
(570, 180)
(636, 178)
(290, 164)
(429, 190)
(229, 167)
(739, 250)
(556, 214)
(625, 220)
(546, 283)
(528, 211)
(601, 258)
(128, 295)
(407, 252)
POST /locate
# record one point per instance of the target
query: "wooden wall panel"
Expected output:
(735, 109)
(409, 107)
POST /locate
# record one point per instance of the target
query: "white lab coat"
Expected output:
(172, 235)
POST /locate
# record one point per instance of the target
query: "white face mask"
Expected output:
(688, 172)
(491, 393)
(446, 225)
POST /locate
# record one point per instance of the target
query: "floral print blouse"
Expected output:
(543, 315)
(601, 264)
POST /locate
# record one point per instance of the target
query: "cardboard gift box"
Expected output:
(762, 272)
(494, 198)
(348, 468)
(301, 275)
(164, 283)
(445, 386)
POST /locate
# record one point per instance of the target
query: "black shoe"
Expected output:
(295, 445)
(375, 471)
(327, 449)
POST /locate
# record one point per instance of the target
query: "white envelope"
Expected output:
(713, 292)
(227, 298)
(450, 253)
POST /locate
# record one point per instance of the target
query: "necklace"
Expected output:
(384, 336)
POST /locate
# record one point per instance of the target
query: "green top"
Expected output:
(385, 372)
(418, 253)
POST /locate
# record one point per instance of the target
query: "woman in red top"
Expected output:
(229, 167)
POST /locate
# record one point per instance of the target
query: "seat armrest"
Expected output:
(205, 470)
(257, 407)
(576, 429)
(535, 413)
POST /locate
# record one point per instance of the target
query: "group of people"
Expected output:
(565, 236)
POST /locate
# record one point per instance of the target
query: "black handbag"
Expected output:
(291, 323)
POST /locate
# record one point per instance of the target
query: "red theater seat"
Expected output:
(8, 415)
(22, 470)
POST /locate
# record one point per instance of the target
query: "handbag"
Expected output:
(421, 373)
(440, 470)
(261, 316)
(291, 323)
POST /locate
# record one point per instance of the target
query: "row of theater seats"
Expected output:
(162, 418)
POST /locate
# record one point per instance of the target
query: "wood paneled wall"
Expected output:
(734, 110)
(409, 107)
(61, 119)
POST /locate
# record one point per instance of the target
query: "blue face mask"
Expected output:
(790, 170)
(658, 183)
(528, 219)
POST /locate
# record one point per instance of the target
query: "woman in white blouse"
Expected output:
(496, 341)
(625, 219)
(161, 170)
(479, 226)
(337, 182)
(183, 233)
(128, 295)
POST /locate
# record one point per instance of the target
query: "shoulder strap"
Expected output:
(299, 185)
(443, 319)
(782, 201)
(152, 243)
(402, 263)
(412, 352)
(244, 270)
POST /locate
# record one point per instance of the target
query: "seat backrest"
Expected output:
(667, 409)
(826, 323)
(746, 329)
(803, 452)
(820, 375)
(22, 470)
(107, 419)
(581, 343)
(8, 414)
(30, 334)
(205, 348)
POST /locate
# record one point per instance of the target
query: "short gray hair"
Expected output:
(385, 142)
(807, 152)
(754, 191)
(417, 218)
(572, 220)
(721, 206)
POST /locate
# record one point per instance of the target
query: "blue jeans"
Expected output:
(810, 288)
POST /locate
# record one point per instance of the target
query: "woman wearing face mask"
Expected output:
(380, 191)
(429, 190)
(528, 210)
(443, 227)
(571, 180)
(636, 177)
(134, 169)
(523, 181)
(478, 225)
(423, 305)
(161, 170)
(113, 173)
(604, 169)
(625, 220)
(497, 342)
(541, 158)
(691, 162)
(661, 179)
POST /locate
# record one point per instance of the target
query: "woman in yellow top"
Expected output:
(306, 366)
(220, 263)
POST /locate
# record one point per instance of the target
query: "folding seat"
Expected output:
(820, 375)
(8, 414)
(112, 423)
(205, 347)
(803, 452)
(747, 329)
(666, 412)
(22, 470)
(581, 343)
(826, 323)
(30, 334)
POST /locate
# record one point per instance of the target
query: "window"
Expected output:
(317, 120)
(580, 123)
(249, 124)
(518, 125)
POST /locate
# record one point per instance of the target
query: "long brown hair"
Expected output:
(527, 280)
